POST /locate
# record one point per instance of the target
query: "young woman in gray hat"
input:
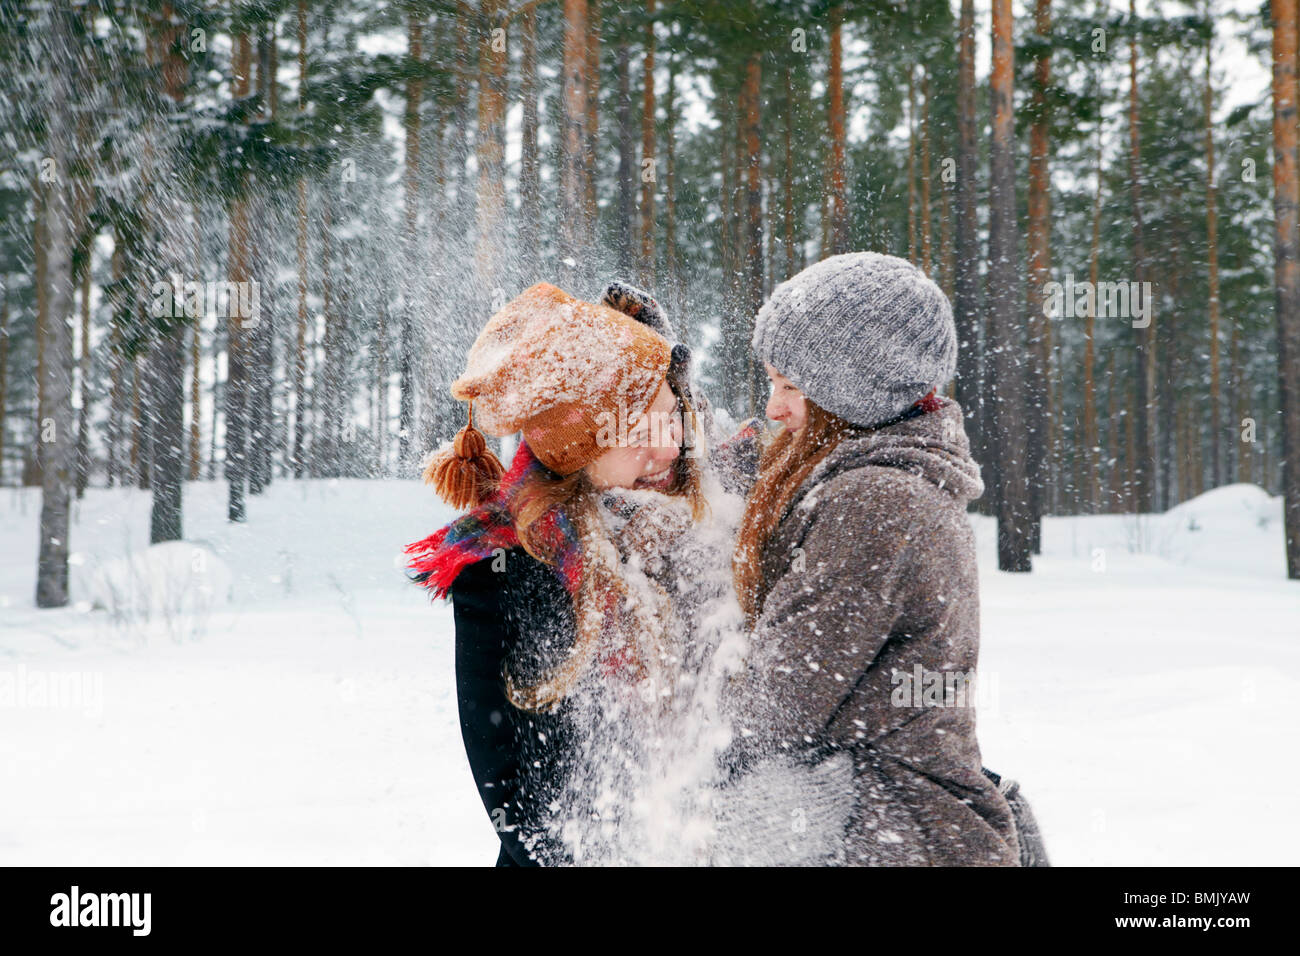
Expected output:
(855, 566)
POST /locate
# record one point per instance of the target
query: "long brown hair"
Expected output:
(577, 498)
(784, 465)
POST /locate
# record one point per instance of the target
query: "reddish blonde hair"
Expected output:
(783, 467)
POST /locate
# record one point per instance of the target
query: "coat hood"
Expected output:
(932, 446)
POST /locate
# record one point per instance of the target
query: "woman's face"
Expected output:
(653, 444)
(787, 404)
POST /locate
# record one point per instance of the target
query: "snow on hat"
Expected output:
(864, 335)
(556, 368)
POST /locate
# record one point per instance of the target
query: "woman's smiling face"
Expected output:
(787, 404)
(653, 444)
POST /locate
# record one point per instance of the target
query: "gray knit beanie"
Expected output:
(864, 335)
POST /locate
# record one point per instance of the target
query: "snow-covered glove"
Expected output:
(640, 305)
(785, 812)
(653, 531)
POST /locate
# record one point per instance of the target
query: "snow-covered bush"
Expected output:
(169, 588)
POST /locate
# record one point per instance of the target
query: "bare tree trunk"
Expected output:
(407, 439)
(1091, 439)
(261, 332)
(41, 251)
(83, 373)
(490, 151)
(648, 154)
(300, 345)
(575, 228)
(1212, 264)
(787, 178)
(912, 224)
(593, 105)
(1007, 394)
(4, 368)
(927, 265)
(969, 384)
(837, 197)
(1286, 269)
(529, 165)
(671, 264)
(118, 367)
(753, 219)
(626, 221)
(236, 348)
(196, 357)
(1144, 466)
(1037, 407)
(55, 438)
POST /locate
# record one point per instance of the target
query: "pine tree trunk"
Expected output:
(409, 361)
(837, 197)
(912, 224)
(969, 383)
(1091, 440)
(530, 205)
(236, 347)
(1144, 465)
(626, 223)
(671, 263)
(787, 178)
(490, 147)
(575, 228)
(1212, 264)
(83, 376)
(593, 105)
(927, 264)
(1286, 269)
(55, 440)
(40, 246)
(4, 369)
(196, 357)
(1007, 395)
(753, 298)
(260, 372)
(648, 153)
(1037, 411)
(117, 366)
(299, 368)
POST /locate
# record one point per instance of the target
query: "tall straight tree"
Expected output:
(1006, 346)
(239, 271)
(530, 184)
(411, 208)
(167, 357)
(56, 441)
(969, 383)
(490, 146)
(626, 222)
(300, 339)
(575, 227)
(836, 199)
(751, 113)
(1286, 266)
(1037, 397)
(1144, 462)
(648, 175)
(1212, 262)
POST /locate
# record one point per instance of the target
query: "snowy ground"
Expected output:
(1139, 683)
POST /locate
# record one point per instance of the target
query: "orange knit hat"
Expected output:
(556, 368)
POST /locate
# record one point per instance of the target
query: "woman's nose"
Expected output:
(775, 409)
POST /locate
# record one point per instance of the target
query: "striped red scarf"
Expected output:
(437, 560)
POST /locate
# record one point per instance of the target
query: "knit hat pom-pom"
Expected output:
(466, 473)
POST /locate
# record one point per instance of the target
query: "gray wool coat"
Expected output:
(871, 584)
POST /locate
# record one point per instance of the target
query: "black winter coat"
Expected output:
(519, 616)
